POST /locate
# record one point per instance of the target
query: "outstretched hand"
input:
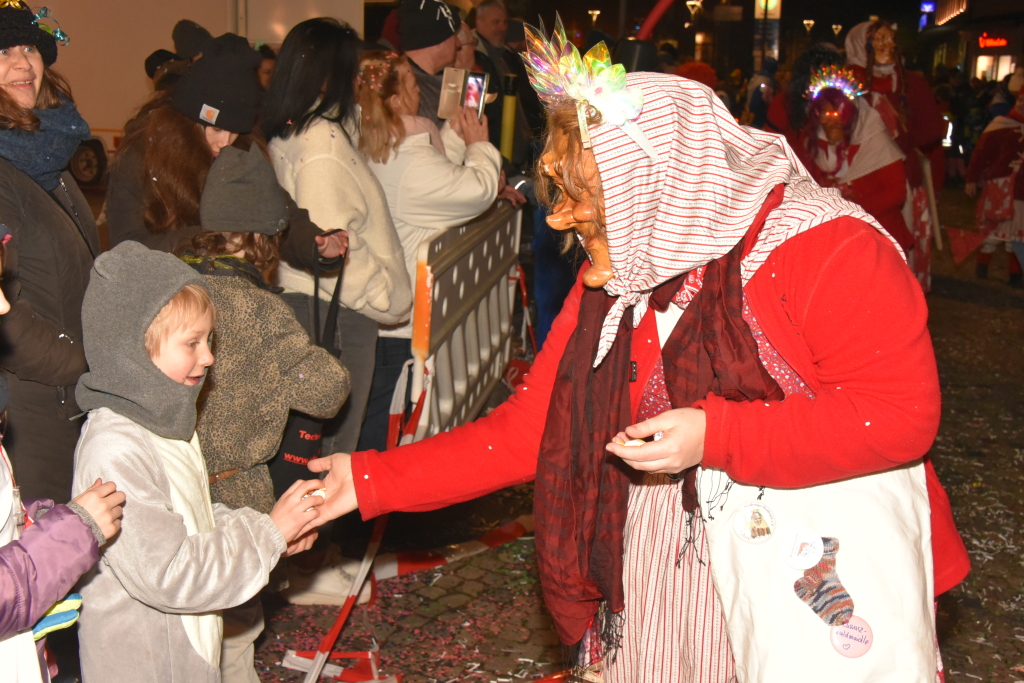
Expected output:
(680, 447)
(341, 491)
(295, 513)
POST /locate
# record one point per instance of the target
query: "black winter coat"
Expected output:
(49, 259)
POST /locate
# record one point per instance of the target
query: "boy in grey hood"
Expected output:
(151, 606)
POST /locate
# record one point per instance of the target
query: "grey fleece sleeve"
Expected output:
(153, 557)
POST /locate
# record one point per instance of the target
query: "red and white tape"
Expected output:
(399, 564)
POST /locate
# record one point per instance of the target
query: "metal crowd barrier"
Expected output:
(462, 319)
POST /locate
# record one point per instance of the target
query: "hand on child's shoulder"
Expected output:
(104, 503)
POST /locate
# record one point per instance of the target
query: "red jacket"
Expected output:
(837, 302)
(992, 158)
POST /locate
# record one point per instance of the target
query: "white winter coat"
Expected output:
(151, 605)
(327, 176)
(429, 191)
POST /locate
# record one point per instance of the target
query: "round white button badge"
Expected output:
(801, 548)
(754, 523)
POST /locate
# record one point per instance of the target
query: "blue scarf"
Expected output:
(44, 154)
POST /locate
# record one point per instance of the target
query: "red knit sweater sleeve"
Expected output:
(483, 456)
(855, 320)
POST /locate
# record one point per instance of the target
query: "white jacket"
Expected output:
(151, 605)
(429, 191)
(327, 176)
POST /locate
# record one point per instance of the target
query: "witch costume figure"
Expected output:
(766, 341)
(904, 100)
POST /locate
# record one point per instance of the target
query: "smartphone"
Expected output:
(462, 88)
(328, 233)
(475, 92)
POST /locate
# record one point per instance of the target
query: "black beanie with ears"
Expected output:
(221, 88)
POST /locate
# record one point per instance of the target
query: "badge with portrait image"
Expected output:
(754, 523)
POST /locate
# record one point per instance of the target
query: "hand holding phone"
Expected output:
(470, 127)
(461, 88)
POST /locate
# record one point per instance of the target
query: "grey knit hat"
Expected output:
(242, 194)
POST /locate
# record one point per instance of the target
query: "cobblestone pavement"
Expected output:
(481, 619)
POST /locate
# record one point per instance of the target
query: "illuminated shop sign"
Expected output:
(985, 41)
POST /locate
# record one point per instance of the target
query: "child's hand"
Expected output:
(103, 503)
(302, 543)
(295, 515)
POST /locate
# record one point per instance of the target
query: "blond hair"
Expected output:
(193, 301)
(381, 128)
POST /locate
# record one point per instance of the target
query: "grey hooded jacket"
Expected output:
(152, 571)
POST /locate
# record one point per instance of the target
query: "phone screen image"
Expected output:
(475, 91)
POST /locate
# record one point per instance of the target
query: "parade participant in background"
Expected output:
(429, 37)
(850, 149)
(266, 70)
(995, 167)
(787, 113)
(905, 101)
(724, 310)
(433, 180)
(309, 120)
(48, 259)
(179, 559)
(266, 363)
(41, 558)
(158, 173)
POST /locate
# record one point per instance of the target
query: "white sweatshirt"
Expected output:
(429, 191)
(327, 176)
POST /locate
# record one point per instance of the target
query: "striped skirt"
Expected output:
(673, 630)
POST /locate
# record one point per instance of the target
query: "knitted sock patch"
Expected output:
(821, 589)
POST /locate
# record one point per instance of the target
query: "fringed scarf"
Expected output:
(582, 491)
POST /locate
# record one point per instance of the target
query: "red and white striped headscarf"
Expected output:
(694, 203)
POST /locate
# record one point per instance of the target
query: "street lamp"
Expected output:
(593, 16)
(836, 28)
(694, 6)
(808, 24)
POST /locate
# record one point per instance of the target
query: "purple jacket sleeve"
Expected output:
(40, 568)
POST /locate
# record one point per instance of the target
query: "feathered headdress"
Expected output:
(838, 77)
(558, 73)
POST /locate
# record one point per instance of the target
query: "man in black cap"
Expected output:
(427, 29)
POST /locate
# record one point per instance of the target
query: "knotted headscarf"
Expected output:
(694, 203)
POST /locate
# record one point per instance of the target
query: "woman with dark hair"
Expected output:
(309, 124)
(48, 259)
(905, 101)
(158, 174)
(848, 148)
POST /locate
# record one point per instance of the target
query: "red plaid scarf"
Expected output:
(582, 491)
